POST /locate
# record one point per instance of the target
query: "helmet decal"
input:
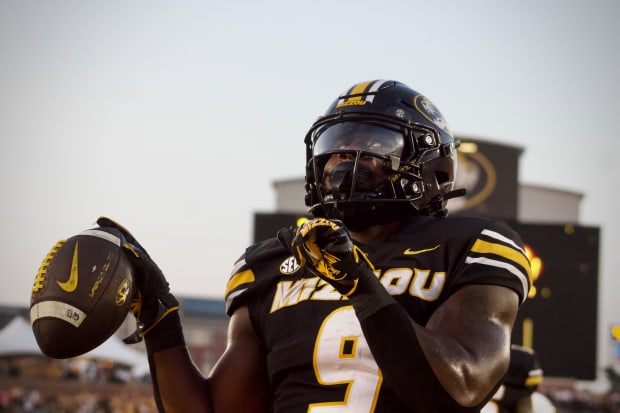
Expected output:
(360, 94)
(430, 112)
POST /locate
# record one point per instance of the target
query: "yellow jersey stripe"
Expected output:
(244, 277)
(523, 279)
(516, 256)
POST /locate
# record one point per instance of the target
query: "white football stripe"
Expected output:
(57, 309)
(103, 235)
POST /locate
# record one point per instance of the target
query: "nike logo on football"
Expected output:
(71, 284)
(409, 251)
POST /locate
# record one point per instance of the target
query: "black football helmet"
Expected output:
(393, 124)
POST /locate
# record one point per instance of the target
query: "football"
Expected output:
(82, 293)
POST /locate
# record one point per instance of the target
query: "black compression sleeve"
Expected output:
(396, 349)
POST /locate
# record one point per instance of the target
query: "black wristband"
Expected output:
(166, 334)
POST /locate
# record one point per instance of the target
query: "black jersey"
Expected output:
(523, 378)
(318, 360)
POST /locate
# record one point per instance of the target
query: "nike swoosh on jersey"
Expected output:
(71, 284)
(409, 251)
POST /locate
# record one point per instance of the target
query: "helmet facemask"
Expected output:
(400, 156)
(355, 166)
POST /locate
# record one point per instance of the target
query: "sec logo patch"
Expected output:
(289, 266)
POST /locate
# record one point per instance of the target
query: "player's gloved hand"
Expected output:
(154, 301)
(326, 249)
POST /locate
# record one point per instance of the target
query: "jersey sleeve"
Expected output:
(241, 279)
(496, 256)
(243, 283)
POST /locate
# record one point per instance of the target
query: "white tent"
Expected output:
(115, 350)
(17, 338)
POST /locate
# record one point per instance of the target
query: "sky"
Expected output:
(175, 118)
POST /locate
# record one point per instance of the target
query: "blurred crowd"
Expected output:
(40, 385)
(573, 400)
(127, 400)
(132, 398)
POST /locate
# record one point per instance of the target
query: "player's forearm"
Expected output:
(397, 349)
(178, 384)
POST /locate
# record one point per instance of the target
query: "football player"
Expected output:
(518, 393)
(380, 303)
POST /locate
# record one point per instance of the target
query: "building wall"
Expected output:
(535, 203)
(550, 205)
(489, 172)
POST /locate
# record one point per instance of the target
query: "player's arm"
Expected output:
(237, 382)
(467, 341)
(456, 360)
(453, 363)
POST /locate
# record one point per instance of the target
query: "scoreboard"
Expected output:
(559, 320)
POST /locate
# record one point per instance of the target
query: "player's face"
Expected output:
(377, 168)
(357, 149)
